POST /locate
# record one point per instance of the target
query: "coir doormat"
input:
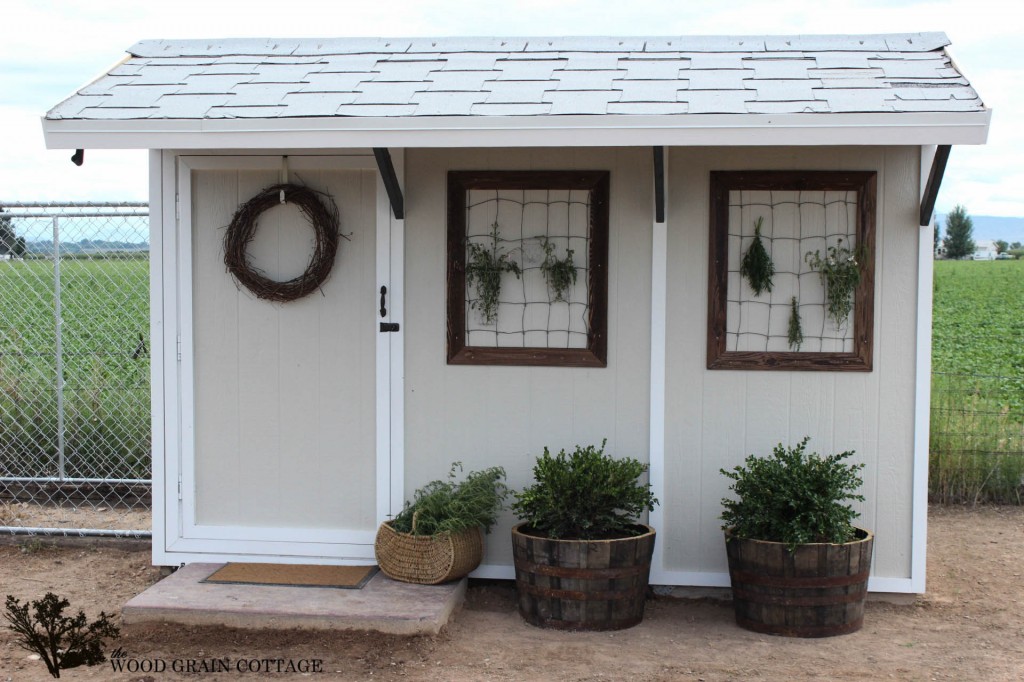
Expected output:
(295, 575)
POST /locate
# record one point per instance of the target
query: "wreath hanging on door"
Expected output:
(322, 214)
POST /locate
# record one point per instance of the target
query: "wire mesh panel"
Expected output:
(793, 225)
(534, 228)
(75, 447)
(977, 439)
(791, 270)
(527, 267)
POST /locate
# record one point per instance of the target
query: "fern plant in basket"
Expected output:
(582, 557)
(798, 565)
(438, 536)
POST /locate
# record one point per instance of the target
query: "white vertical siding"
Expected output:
(485, 416)
(715, 418)
(284, 393)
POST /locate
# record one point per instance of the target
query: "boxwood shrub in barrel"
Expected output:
(798, 565)
(582, 558)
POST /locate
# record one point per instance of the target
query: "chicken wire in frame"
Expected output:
(516, 215)
(801, 212)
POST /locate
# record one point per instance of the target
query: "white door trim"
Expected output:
(177, 537)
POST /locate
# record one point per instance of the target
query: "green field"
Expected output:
(105, 306)
(977, 436)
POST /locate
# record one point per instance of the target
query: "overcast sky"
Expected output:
(50, 48)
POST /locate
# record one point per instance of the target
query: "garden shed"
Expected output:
(287, 431)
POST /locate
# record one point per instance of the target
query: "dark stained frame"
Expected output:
(596, 352)
(723, 182)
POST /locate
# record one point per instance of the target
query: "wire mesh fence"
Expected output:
(75, 447)
(977, 439)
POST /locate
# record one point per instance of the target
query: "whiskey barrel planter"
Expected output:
(582, 584)
(817, 590)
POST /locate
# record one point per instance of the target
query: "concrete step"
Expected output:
(383, 605)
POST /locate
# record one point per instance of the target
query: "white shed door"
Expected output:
(281, 461)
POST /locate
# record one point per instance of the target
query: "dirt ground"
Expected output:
(969, 626)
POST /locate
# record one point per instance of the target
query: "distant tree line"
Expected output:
(10, 243)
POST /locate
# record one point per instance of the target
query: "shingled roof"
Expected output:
(871, 89)
(258, 78)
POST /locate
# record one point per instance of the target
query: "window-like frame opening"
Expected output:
(596, 184)
(722, 183)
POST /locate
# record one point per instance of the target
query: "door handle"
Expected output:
(383, 307)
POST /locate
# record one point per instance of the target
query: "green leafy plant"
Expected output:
(793, 497)
(585, 495)
(61, 641)
(484, 268)
(757, 265)
(796, 332)
(560, 273)
(840, 274)
(447, 506)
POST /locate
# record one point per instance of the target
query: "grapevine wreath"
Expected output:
(323, 218)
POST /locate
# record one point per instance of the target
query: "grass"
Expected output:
(977, 425)
(105, 309)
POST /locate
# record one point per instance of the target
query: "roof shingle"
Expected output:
(380, 77)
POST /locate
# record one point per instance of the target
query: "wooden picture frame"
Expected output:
(594, 354)
(722, 183)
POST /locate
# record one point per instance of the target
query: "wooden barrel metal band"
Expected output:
(579, 595)
(788, 600)
(805, 631)
(788, 582)
(600, 573)
(614, 624)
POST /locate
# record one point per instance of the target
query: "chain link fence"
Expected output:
(75, 441)
(977, 439)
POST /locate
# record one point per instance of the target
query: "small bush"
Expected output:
(793, 497)
(448, 507)
(585, 495)
(61, 641)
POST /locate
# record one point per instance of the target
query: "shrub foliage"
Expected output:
(793, 497)
(448, 507)
(61, 641)
(585, 495)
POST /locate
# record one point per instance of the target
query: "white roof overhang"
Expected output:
(918, 128)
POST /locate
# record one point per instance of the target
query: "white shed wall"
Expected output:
(715, 418)
(487, 415)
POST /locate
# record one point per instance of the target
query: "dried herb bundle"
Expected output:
(484, 267)
(840, 275)
(757, 265)
(560, 273)
(796, 332)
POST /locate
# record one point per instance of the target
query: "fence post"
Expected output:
(59, 351)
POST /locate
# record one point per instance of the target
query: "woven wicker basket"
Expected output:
(428, 559)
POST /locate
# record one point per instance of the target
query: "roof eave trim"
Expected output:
(523, 131)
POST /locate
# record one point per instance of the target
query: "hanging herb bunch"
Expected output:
(560, 273)
(796, 332)
(484, 268)
(757, 265)
(840, 275)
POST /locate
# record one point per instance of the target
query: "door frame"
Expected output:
(177, 539)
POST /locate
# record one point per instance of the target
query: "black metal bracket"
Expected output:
(387, 174)
(931, 189)
(659, 184)
(386, 327)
